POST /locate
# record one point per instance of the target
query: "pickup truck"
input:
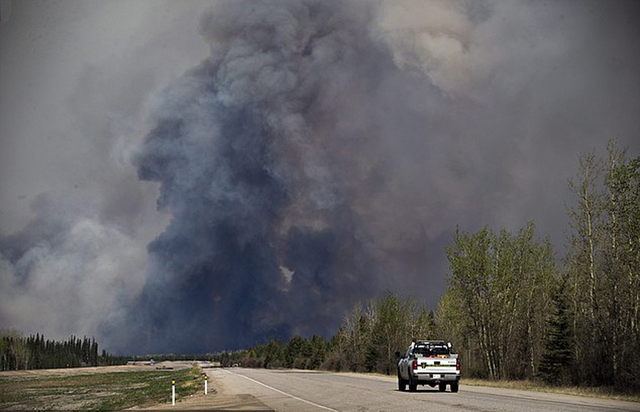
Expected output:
(428, 362)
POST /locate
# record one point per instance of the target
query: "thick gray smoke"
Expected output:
(55, 273)
(265, 154)
(321, 154)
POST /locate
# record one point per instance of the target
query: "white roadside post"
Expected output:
(205, 384)
(173, 392)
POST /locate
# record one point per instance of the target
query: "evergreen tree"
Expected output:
(558, 354)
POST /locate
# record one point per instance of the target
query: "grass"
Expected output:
(604, 392)
(100, 391)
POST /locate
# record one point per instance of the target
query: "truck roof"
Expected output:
(430, 342)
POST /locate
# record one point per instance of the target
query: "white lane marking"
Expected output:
(284, 393)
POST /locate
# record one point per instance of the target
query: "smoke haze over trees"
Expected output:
(167, 194)
(509, 310)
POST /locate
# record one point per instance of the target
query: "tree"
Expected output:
(296, 352)
(604, 263)
(583, 263)
(621, 265)
(357, 337)
(318, 352)
(273, 357)
(558, 346)
(394, 323)
(499, 294)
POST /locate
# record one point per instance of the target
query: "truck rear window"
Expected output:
(433, 351)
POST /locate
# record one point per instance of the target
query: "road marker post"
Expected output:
(173, 392)
(205, 384)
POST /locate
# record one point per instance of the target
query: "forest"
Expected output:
(513, 309)
(36, 352)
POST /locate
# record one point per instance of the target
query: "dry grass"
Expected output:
(605, 392)
(97, 391)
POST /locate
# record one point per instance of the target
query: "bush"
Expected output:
(335, 362)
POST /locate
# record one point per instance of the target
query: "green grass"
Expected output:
(100, 391)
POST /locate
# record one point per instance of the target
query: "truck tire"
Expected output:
(442, 387)
(412, 384)
(454, 387)
(402, 384)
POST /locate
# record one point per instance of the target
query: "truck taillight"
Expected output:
(415, 364)
(457, 364)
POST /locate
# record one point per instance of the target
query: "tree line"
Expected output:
(516, 313)
(365, 342)
(513, 309)
(36, 352)
(162, 357)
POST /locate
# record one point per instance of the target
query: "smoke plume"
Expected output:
(299, 164)
(265, 155)
(321, 154)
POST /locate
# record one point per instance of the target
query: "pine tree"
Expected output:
(558, 354)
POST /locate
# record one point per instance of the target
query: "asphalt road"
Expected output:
(294, 390)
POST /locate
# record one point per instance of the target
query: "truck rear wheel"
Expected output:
(454, 387)
(412, 384)
(402, 384)
(442, 387)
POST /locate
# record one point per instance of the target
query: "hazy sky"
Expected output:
(200, 175)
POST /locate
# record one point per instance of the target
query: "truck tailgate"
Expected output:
(436, 365)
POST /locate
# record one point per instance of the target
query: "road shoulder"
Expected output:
(218, 398)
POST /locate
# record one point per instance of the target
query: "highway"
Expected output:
(296, 390)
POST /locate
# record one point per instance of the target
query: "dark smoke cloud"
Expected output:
(256, 154)
(321, 155)
(325, 151)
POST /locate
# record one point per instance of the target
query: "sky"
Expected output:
(202, 175)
